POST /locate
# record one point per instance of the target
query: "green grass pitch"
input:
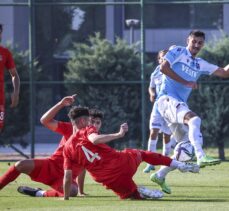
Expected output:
(208, 190)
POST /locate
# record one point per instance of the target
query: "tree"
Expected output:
(213, 105)
(101, 62)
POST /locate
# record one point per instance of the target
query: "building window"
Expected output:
(179, 15)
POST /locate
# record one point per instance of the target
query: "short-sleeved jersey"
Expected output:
(156, 79)
(6, 62)
(65, 129)
(187, 67)
(104, 163)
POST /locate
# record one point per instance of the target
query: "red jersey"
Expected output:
(6, 61)
(65, 129)
(105, 164)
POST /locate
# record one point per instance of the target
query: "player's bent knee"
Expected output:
(24, 166)
(195, 121)
(189, 116)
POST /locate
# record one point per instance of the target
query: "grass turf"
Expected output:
(208, 190)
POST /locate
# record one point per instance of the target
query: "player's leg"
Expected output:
(174, 111)
(24, 166)
(167, 140)
(159, 159)
(37, 192)
(152, 147)
(154, 126)
(196, 139)
(48, 172)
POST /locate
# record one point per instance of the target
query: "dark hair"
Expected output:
(162, 52)
(1, 27)
(78, 111)
(96, 113)
(197, 33)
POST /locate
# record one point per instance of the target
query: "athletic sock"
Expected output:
(154, 158)
(40, 193)
(164, 170)
(195, 136)
(152, 145)
(9, 176)
(52, 193)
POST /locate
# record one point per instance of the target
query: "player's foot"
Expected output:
(161, 182)
(150, 194)
(207, 161)
(188, 167)
(27, 190)
(148, 168)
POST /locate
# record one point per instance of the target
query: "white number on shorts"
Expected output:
(1, 116)
(90, 155)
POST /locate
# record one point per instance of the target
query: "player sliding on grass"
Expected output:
(113, 169)
(49, 170)
(182, 69)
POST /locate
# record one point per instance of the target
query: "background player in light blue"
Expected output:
(182, 69)
(157, 123)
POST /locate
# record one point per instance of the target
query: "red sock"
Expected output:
(155, 158)
(53, 193)
(9, 176)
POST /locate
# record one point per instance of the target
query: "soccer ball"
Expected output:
(184, 151)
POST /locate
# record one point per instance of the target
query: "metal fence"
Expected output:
(47, 29)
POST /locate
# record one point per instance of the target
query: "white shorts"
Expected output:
(179, 132)
(172, 110)
(158, 122)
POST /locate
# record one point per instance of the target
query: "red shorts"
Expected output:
(49, 172)
(123, 185)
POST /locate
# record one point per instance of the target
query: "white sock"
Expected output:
(195, 136)
(152, 145)
(174, 163)
(163, 171)
(169, 146)
(166, 149)
(40, 193)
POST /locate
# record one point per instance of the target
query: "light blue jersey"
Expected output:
(187, 67)
(156, 79)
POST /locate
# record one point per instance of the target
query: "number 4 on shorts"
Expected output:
(90, 155)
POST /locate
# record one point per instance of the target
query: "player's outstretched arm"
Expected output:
(67, 183)
(48, 118)
(222, 72)
(104, 138)
(16, 86)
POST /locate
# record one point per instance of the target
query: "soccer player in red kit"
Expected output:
(114, 169)
(7, 62)
(49, 170)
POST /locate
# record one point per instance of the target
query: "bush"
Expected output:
(99, 63)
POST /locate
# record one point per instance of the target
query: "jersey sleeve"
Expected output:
(174, 54)
(64, 128)
(9, 60)
(152, 82)
(90, 130)
(207, 68)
